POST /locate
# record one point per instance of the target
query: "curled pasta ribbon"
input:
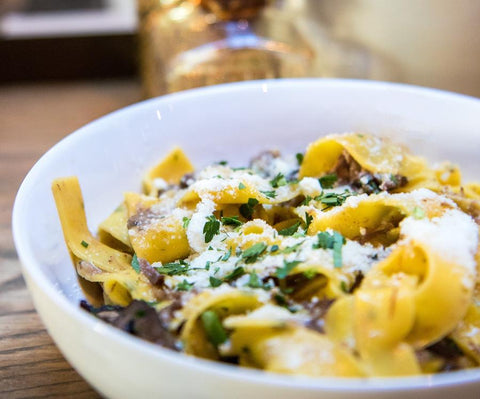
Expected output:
(156, 238)
(294, 350)
(112, 268)
(113, 230)
(374, 154)
(170, 169)
(224, 303)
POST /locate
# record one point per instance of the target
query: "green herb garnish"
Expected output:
(237, 272)
(333, 199)
(278, 181)
(328, 181)
(288, 231)
(227, 255)
(292, 248)
(269, 194)
(241, 186)
(250, 255)
(299, 157)
(283, 272)
(184, 286)
(274, 248)
(214, 330)
(254, 281)
(186, 222)
(211, 227)
(246, 210)
(173, 269)
(135, 264)
(310, 273)
(215, 282)
(308, 221)
(231, 221)
(335, 241)
(84, 244)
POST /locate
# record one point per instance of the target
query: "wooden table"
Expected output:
(33, 117)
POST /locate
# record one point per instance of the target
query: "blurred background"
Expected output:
(178, 44)
(64, 63)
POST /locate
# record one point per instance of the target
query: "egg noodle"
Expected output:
(356, 258)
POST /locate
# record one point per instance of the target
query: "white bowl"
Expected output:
(232, 122)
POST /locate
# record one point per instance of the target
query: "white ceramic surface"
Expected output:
(224, 122)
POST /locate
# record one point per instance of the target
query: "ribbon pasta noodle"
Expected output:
(355, 259)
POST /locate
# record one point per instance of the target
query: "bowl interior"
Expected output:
(229, 122)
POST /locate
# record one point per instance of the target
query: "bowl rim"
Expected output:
(364, 384)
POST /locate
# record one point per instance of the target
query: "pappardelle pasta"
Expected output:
(354, 259)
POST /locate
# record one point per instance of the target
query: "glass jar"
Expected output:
(191, 43)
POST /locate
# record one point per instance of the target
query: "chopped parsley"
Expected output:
(308, 220)
(186, 222)
(246, 210)
(328, 181)
(293, 248)
(215, 282)
(184, 286)
(278, 181)
(254, 281)
(84, 244)
(288, 231)
(231, 221)
(214, 330)
(227, 255)
(269, 194)
(236, 273)
(251, 254)
(299, 157)
(173, 269)
(135, 264)
(242, 186)
(274, 248)
(211, 227)
(343, 287)
(333, 199)
(335, 241)
(223, 163)
(287, 267)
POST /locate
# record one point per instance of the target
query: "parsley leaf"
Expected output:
(246, 210)
(292, 248)
(335, 241)
(215, 282)
(328, 181)
(186, 222)
(251, 254)
(310, 273)
(241, 186)
(288, 231)
(211, 227)
(135, 264)
(214, 330)
(173, 269)
(338, 242)
(278, 181)
(254, 281)
(184, 286)
(299, 157)
(283, 272)
(269, 194)
(227, 255)
(236, 273)
(308, 220)
(274, 248)
(333, 199)
(231, 221)
(84, 244)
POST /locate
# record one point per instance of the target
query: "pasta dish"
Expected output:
(353, 259)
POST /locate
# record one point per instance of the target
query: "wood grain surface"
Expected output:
(33, 117)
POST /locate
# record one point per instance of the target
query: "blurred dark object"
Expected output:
(58, 39)
(67, 58)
